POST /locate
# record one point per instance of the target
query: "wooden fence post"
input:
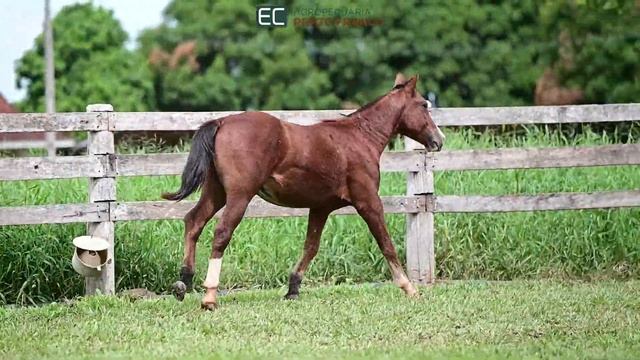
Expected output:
(102, 190)
(420, 231)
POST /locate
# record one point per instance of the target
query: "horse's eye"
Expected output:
(427, 104)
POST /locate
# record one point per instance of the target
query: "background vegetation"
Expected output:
(210, 55)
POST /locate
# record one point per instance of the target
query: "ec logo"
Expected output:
(267, 15)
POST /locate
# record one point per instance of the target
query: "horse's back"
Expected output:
(249, 145)
(286, 164)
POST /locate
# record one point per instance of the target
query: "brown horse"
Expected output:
(322, 167)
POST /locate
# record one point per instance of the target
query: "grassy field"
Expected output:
(462, 320)
(34, 260)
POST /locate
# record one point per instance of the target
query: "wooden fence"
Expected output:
(102, 165)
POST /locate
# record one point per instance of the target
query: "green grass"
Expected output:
(462, 320)
(34, 260)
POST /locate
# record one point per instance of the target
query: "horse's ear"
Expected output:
(400, 80)
(410, 85)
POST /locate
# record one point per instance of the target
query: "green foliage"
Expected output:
(237, 65)
(470, 53)
(91, 64)
(600, 52)
(465, 320)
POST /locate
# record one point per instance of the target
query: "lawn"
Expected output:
(461, 320)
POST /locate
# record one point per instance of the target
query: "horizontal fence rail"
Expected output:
(156, 210)
(17, 122)
(54, 214)
(60, 167)
(177, 121)
(442, 116)
(103, 165)
(535, 158)
(392, 161)
(36, 144)
(172, 164)
(542, 202)
(258, 208)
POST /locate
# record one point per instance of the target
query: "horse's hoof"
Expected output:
(208, 306)
(415, 294)
(179, 290)
(291, 296)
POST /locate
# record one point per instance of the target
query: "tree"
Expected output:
(91, 64)
(595, 46)
(470, 53)
(212, 56)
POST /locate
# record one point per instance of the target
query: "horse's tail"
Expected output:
(199, 160)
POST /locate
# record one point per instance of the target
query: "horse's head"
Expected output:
(415, 120)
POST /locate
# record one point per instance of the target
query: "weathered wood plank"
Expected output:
(536, 114)
(61, 167)
(529, 158)
(156, 210)
(171, 121)
(99, 108)
(102, 190)
(556, 201)
(36, 144)
(419, 238)
(172, 164)
(53, 214)
(399, 161)
(101, 143)
(106, 282)
(40, 122)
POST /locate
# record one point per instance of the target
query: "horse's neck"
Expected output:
(378, 125)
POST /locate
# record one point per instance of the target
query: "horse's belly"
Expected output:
(299, 191)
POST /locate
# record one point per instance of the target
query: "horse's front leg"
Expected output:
(231, 216)
(371, 210)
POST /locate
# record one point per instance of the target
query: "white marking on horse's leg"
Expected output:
(213, 273)
(401, 280)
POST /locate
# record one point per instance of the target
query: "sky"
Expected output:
(21, 21)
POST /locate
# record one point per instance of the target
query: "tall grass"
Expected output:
(35, 260)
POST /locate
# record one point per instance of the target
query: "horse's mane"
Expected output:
(368, 105)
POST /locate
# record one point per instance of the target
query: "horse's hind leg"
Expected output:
(231, 216)
(211, 200)
(317, 220)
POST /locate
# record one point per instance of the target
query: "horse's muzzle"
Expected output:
(434, 145)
